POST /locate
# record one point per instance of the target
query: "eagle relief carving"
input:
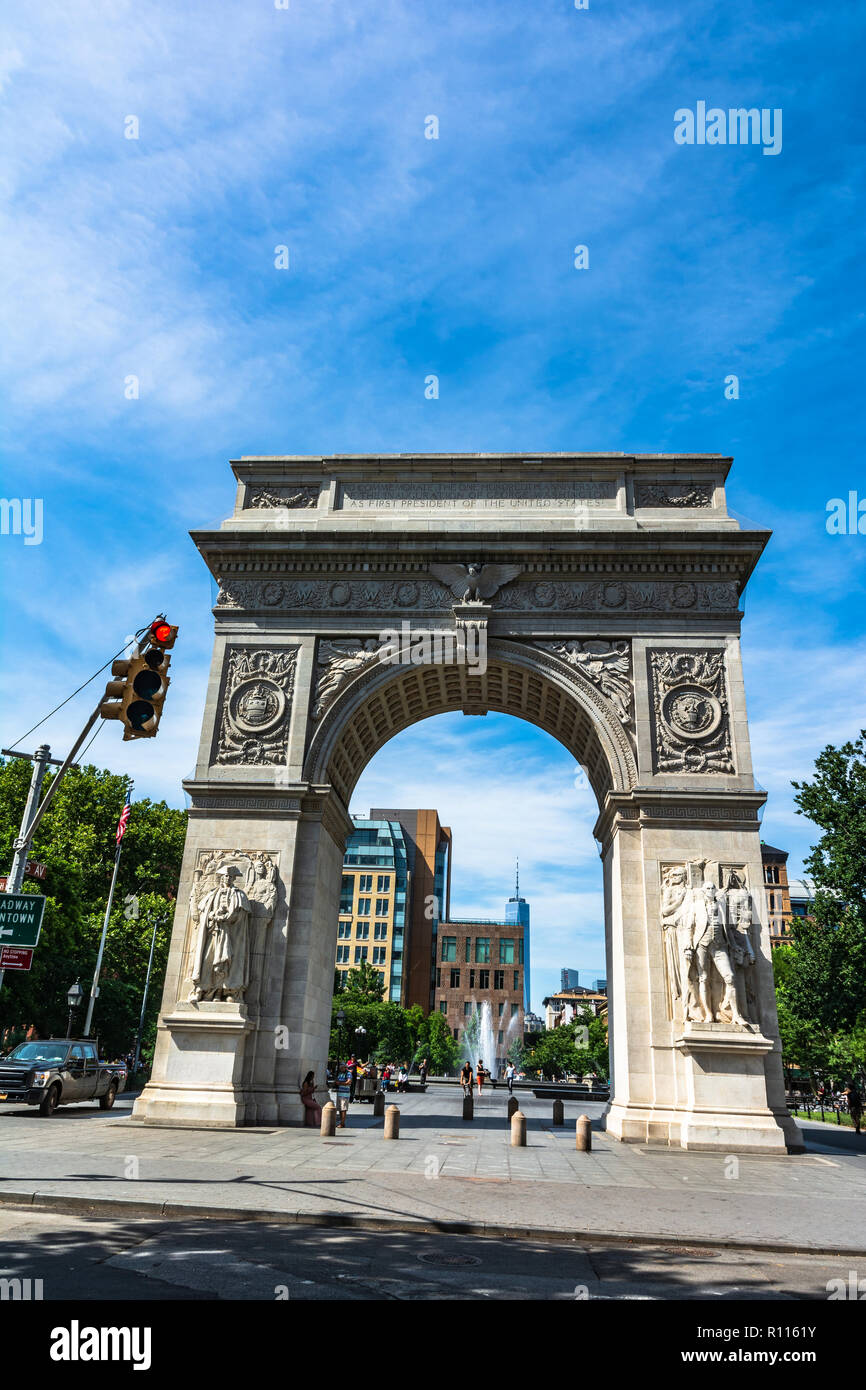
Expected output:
(476, 582)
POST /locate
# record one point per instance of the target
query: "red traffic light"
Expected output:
(160, 631)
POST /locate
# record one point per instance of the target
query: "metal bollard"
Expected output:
(329, 1120)
(583, 1134)
(392, 1122)
(558, 1112)
(513, 1106)
(379, 1104)
(468, 1108)
(518, 1130)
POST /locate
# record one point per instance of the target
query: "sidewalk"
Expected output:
(442, 1175)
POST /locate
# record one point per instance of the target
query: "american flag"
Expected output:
(122, 823)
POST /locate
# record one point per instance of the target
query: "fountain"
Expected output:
(479, 1039)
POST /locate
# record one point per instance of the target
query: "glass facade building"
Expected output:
(374, 897)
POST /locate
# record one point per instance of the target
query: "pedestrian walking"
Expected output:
(480, 1075)
(425, 1067)
(466, 1078)
(352, 1069)
(403, 1078)
(510, 1072)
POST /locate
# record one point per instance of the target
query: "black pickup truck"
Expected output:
(58, 1071)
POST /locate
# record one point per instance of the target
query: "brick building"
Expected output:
(481, 961)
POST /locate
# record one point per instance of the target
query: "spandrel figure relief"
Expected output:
(708, 943)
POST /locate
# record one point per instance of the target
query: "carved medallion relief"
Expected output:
(256, 705)
(690, 707)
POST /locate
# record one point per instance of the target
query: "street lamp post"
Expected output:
(361, 1032)
(74, 996)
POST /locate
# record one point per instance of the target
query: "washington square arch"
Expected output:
(609, 589)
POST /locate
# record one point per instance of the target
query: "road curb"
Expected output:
(175, 1211)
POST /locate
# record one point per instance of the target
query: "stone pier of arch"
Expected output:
(609, 589)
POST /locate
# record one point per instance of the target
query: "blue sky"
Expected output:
(304, 127)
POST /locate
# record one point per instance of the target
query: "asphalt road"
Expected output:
(98, 1259)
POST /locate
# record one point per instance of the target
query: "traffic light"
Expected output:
(139, 683)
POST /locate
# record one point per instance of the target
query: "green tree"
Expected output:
(560, 1050)
(76, 840)
(395, 1041)
(365, 982)
(828, 983)
(436, 1042)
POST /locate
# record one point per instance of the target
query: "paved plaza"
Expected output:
(442, 1175)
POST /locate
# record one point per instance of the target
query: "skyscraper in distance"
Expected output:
(517, 914)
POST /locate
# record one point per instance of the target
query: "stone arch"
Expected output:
(636, 550)
(520, 679)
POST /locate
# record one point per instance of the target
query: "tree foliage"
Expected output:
(559, 1051)
(76, 840)
(364, 982)
(829, 981)
(821, 975)
(391, 1033)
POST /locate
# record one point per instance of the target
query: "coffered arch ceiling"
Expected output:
(520, 680)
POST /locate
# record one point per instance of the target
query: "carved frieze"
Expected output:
(528, 596)
(691, 715)
(707, 918)
(256, 705)
(305, 496)
(607, 665)
(659, 494)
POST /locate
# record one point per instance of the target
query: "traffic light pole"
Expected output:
(41, 758)
(22, 844)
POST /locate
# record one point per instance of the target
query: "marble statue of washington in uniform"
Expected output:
(221, 956)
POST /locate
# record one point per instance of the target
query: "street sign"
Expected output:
(32, 869)
(16, 957)
(21, 918)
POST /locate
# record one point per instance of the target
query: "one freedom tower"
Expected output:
(517, 915)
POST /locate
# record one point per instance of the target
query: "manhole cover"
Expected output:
(436, 1259)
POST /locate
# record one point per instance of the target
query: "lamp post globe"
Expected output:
(74, 996)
